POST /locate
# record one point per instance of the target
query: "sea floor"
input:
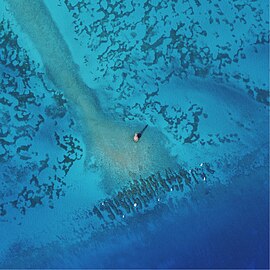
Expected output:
(78, 79)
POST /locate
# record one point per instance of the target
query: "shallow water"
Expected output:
(78, 79)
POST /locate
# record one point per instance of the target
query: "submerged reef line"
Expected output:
(109, 141)
(144, 194)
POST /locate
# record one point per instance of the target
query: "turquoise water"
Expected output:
(78, 79)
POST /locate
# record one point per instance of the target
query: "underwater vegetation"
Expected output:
(79, 78)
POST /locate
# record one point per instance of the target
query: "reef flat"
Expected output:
(111, 142)
(78, 78)
(34, 110)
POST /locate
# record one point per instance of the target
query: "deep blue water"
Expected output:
(222, 231)
(78, 79)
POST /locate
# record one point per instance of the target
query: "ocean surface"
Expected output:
(79, 78)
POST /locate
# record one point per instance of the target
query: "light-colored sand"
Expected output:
(108, 141)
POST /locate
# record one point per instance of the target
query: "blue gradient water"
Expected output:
(78, 79)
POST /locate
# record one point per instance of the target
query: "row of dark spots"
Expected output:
(216, 139)
(144, 193)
